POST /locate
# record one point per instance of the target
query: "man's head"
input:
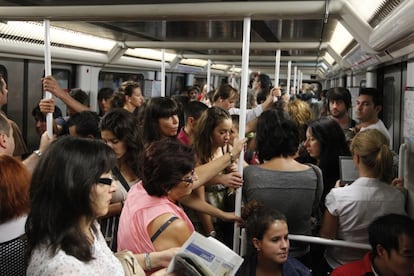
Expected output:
(40, 118)
(369, 105)
(84, 124)
(104, 99)
(339, 100)
(6, 136)
(392, 240)
(193, 111)
(261, 81)
(80, 96)
(192, 92)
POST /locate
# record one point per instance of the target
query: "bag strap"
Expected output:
(129, 263)
(162, 228)
(319, 185)
(118, 175)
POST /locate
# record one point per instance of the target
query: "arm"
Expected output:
(114, 209)
(329, 226)
(174, 235)
(51, 85)
(207, 171)
(31, 161)
(48, 106)
(194, 202)
(231, 180)
(254, 113)
(158, 258)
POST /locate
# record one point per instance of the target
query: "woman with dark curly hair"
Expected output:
(151, 219)
(119, 130)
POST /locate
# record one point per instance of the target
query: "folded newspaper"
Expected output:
(201, 256)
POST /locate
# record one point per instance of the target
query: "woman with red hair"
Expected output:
(14, 206)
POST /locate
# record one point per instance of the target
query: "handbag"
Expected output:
(129, 263)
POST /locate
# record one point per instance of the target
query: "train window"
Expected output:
(363, 84)
(179, 84)
(199, 81)
(63, 77)
(308, 85)
(114, 79)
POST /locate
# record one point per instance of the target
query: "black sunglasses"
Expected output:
(105, 181)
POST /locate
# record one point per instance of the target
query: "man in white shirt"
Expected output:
(368, 106)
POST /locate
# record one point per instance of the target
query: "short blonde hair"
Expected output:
(300, 112)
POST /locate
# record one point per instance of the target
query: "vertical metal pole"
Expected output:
(48, 72)
(301, 80)
(233, 76)
(208, 75)
(295, 75)
(277, 68)
(163, 73)
(242, 121)
(288, 77)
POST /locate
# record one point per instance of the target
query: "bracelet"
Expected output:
(147, 260)
(212, 234)
(231, 157)
(38, 153)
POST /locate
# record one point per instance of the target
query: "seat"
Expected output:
(13, 257)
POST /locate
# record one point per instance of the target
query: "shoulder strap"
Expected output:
(118, 175)
(162, 228)
(319, 185)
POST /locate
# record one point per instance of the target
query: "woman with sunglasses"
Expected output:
(151, 219)
(71, 186)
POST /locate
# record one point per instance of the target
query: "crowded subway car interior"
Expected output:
(168, 46)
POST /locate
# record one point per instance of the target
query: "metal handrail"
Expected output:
(324, 241)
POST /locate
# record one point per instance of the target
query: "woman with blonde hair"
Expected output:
(351, 209)
(300, 113)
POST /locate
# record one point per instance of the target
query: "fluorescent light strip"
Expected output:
(150, 54)
(35, 31)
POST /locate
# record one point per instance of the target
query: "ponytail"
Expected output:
(372, 147)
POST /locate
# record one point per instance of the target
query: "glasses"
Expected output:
(105, 181)
(189, 179)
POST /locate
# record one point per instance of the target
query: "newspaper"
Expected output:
(203, 256)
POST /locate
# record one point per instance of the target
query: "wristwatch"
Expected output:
(37, 152)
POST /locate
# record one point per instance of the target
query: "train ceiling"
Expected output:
(190, 30)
